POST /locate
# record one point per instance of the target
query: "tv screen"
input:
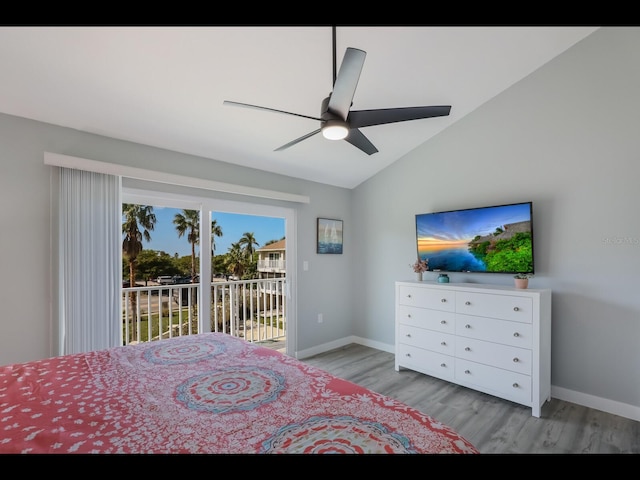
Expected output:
(496, 239)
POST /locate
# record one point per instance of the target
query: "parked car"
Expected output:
(181, 280)
(165, 280)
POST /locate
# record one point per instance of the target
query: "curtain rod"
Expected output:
(95, 166)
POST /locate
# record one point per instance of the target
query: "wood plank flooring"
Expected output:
(493, 425)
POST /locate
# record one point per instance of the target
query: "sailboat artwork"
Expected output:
(329, 235)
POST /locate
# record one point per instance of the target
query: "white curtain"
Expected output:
(90, 266)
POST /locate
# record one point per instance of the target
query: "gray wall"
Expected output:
(27, 323)
(567, 138)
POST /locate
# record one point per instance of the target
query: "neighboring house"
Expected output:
(272, 260)
(271, 264)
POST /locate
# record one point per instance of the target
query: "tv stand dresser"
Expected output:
(490, 338)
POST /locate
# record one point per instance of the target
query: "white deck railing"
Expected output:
(251, 309)
(268, 265)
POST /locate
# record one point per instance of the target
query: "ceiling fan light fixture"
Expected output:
(335, 130)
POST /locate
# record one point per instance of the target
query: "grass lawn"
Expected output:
(155, 325)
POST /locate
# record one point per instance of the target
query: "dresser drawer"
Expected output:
(506, 332)
(495, 381)
(506, 307)
(488, 353)
(425, 361)
(437, 299)
(427, 339)
(425, 318)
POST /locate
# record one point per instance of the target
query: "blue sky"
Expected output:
(165, 237)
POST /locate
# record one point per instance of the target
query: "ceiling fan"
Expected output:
(337, 121)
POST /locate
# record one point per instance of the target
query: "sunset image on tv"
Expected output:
(495, 239)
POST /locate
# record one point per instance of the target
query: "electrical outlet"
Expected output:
(320, 318)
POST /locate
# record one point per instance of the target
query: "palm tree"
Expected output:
(216, 231)
(189, 222)
(236, 259)
(135, 217)
(248, 241)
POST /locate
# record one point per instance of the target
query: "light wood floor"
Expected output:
(493, 425)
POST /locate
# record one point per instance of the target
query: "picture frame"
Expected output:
(329, 239)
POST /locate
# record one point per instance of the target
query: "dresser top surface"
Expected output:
(473, 287)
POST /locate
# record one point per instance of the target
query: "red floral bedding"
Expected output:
(206, 393)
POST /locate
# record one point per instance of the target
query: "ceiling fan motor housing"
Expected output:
(333, 127)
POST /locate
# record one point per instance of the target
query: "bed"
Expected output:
(209, 393)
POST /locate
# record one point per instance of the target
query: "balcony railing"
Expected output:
(251, 309)
(271, 265)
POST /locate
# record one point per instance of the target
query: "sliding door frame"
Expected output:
(206, 205)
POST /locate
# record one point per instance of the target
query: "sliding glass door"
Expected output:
(233, 233)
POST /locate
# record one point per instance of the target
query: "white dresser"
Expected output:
(493, 339)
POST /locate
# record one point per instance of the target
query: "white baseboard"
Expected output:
(604, 404)
(598, 403)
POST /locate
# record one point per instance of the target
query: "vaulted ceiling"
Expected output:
(165, 86)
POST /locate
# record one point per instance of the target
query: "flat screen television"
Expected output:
(495, 239)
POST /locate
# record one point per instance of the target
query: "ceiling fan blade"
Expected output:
(297, 140)
(346, 82)
(247, 105)
(367, 118)
(357, 139)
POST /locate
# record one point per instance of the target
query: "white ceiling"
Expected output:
(165, 86)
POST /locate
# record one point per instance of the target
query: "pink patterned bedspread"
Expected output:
(206, 393)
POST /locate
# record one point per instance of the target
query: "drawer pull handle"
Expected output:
(515, 309)
(467, 349)
(443, 364)
(516, 334)
(408, 335)
(467, 372)
(409, 296)
(467, 326)
(443, 300)
(408, 315)
(443, 322)
(516, 360)
(407, 354)
(515, 385)
(444, 344)
(467, 302)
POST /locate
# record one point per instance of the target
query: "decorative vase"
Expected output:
(443, 278)
(419, 276)
(522, 282)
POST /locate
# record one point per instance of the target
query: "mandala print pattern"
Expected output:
(168, 353)
(337, 435)
(232, 389)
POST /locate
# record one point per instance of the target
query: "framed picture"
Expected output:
(329, 235)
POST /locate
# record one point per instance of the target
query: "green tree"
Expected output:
(236, 259)
(151, 263)
(247, 242)
(189, 222)
(136, 218)
(183, 265)
(216, 231)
